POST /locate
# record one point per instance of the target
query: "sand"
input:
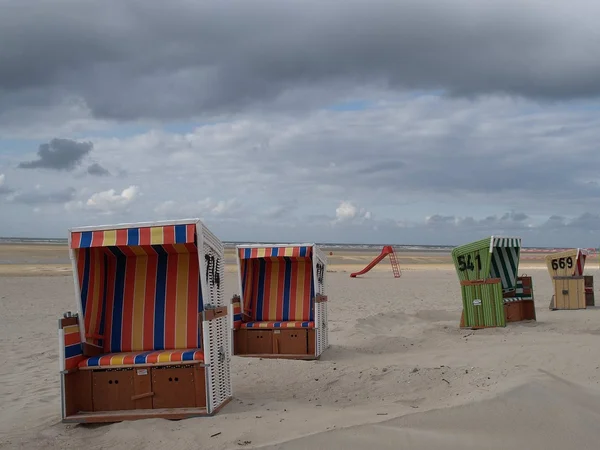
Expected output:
(399, 372)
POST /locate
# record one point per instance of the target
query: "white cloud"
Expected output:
(110, 200)
(347, 211)
(2, 179)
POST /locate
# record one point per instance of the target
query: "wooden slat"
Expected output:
(135, 414)
(273, 356)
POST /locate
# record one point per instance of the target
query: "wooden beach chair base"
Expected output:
(519, 305)
(521, 311)
(285, 343)
(129, 393)
(570, 293)
(101, 387)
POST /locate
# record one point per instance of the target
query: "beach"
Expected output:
(399, 373)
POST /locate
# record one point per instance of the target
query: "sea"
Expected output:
(325, 245)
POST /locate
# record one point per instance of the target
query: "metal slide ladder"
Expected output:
(395, 265)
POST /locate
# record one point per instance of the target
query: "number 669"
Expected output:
(561, 263)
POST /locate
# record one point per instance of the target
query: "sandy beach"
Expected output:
(400, 373)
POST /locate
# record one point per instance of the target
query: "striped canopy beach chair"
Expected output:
(572, 289)
(492, 292)
(151, 335)
(282, 307)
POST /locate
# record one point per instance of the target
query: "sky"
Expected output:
(383, 122)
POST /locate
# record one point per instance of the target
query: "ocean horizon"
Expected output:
(324, 245)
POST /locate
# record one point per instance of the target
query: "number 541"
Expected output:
(467, 264)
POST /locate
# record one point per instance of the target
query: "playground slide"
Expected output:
(384, 252)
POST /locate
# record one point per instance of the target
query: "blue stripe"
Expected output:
(244, 264)
(188, 356)
(73, 350)
(247, 252)
(286, 291)
(305, 324)
(104, 298)
(275, 251)
(261, 288)
(180, 234)
(93, 361)
(86, 279)
(237, 317)
(117, 313)
(141, 358)
(86, 239)
(133, 236)
(160, 299)
(303, 251)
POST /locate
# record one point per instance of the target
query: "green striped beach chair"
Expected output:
(492, 292)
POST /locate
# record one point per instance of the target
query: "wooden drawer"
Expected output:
(113, 390)
(259, 342)
(291, 342)
(173, 387)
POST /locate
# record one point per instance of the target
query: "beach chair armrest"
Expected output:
(215, 313)
(92, 349)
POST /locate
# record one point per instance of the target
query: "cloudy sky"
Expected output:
(405, 122)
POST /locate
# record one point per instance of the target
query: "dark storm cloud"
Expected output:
(156, 59)
(42, 196)
(59, 154)
(97, 170)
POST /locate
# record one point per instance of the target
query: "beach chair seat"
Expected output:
(160, 357)
(281, 324)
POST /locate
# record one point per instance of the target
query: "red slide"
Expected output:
(387, 250)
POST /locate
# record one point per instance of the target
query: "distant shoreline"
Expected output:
(326, 246)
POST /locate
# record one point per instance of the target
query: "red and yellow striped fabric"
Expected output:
(278, 289)
(160, 235)
(73, 351)
(134, 358)
(272, 325)
(141, 298)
